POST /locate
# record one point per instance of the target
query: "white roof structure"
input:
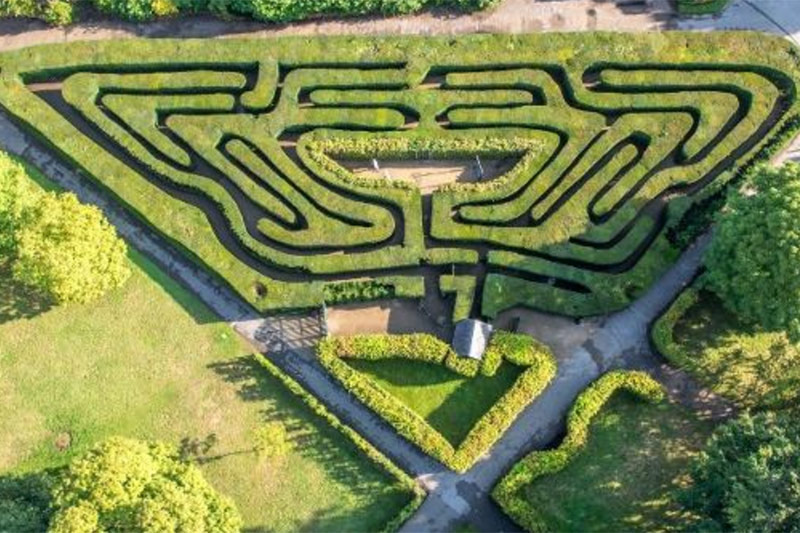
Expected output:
(471, 337)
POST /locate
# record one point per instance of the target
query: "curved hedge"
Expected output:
(520, 350)
(232, 148)
(542, 463)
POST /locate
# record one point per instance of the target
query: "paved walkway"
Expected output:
(773, 16)
(511, 16)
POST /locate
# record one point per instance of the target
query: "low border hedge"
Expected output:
(516, 349)
(542, 463)
(403, 480)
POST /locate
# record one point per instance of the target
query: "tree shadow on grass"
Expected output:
(18, 301)
(188, 301)
(314, 438)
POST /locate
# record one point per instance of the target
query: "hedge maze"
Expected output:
(233, 151)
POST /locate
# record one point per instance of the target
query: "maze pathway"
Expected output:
(234, 151)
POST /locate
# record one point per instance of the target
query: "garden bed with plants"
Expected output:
(230, 149)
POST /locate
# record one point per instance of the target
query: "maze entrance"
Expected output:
(256, 157)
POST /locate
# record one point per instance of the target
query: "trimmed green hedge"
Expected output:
(520, 350)
(542, 463)
(589, 116)
(403, 480)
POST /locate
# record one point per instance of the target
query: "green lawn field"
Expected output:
(626, 477)
(150, 361)
(450, 403)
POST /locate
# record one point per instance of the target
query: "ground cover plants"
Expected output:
(231, 151)
(473, 432)
(178, 375)
(516, 493)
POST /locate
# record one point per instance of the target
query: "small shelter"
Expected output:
(471, 338)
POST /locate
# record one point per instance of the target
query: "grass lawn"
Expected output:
(752, 367)
(150, 361)
(636, 457)
(451, 403)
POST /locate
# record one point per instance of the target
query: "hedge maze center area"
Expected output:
(278, 164)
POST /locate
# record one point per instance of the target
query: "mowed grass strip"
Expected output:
(150, 361)
(449, 402)
(627, 476)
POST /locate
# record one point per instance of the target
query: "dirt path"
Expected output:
(512, 16)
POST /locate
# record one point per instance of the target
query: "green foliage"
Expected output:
(464, 289)
(124, 484)
(540, 463)
(420, 347)
(69, 251)
(357, 291)
(55, 12)
(25, 502)
(272, 440)
(17, 196)
(575, 240)
(755, 250)
(57, 246)
(745, 364)
(701, 7)
(746, 479)
(402, 479)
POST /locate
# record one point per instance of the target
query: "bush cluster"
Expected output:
(61, 12)
(517, 349)
(541, 463)
(404, 481)
(55, 245)
(357, 291)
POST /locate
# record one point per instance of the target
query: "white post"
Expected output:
(375, 165)
(480, 167)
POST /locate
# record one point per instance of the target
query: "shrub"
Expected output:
(124, 484)
(17, 195)
(541, 463)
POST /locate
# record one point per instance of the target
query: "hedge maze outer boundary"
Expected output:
(229, 149)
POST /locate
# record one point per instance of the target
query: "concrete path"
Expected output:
(511, 16)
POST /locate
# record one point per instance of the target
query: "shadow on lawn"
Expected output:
(18, 301)
(188, 301)
(313, 438)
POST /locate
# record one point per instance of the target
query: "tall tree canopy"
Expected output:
(754, 259)
(129, 485)
(748, 477)
(54, 244)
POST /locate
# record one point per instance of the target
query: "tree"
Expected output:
(129, 485)
(754, 258)
(68, 250)
(17, 195)
(748, 477)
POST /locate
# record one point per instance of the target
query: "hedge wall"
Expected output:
(520, 350)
